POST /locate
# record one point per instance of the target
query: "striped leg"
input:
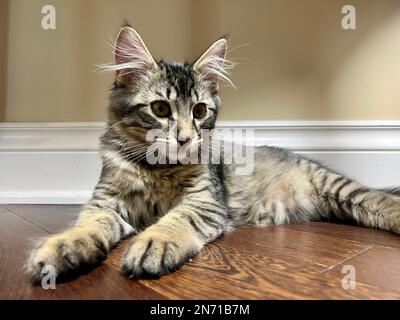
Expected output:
(303, 190)
(349, 200)
(176, 237)
(87, 243)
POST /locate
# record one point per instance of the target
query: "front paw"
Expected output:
(151, 255)
(67, 253)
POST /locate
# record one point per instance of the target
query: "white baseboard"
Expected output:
(59, 162)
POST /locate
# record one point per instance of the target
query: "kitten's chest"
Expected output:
(155, 193)
(163, 192)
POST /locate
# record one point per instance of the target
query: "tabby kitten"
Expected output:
(174, 210)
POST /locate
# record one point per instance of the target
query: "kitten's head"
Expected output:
(177, 99)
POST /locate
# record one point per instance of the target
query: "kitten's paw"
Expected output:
(151, 256)
(67, 253)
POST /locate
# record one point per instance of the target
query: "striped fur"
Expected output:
(172, 211)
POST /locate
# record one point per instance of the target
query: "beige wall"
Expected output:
(296, 63)
(3, 55)
(51, 73)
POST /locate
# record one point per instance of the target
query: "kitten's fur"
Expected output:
(174, 210)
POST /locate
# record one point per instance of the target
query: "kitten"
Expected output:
(173, 210)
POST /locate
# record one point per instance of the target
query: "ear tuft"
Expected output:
(213, 65)
(132, 58)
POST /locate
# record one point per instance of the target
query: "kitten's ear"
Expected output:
(213, 65)
(132, 58)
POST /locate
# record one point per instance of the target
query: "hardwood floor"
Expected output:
(281, 262)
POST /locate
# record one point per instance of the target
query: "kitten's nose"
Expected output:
(183, 140)
(184, 134)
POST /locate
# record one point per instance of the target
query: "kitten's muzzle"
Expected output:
(183, 140)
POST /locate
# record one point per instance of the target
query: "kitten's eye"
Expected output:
(161, 109)
(199, 111)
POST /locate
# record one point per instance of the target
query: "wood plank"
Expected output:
(52, 218)
(14, 235)
(303, 250)
(221, 271)
(351, 233)
(239, 266)
(104, 282)
(379, 266)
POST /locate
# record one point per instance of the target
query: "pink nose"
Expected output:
(183, 140)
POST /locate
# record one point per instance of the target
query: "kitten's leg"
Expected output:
(349, 200)
(306, 191)
(176, 237)
(88, 242)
